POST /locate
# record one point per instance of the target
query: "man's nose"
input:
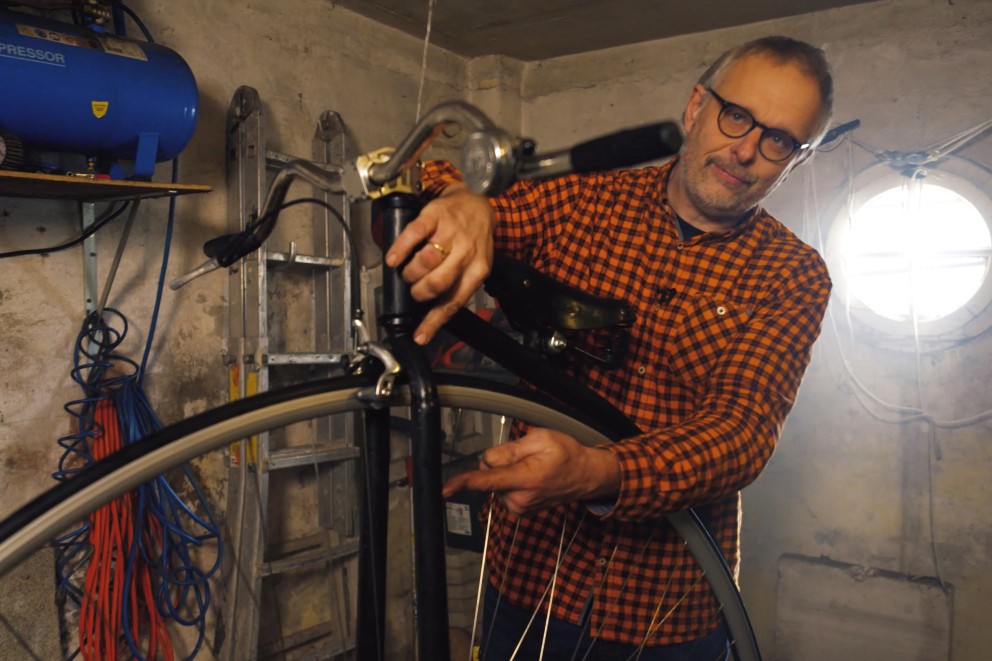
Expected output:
(745, 148)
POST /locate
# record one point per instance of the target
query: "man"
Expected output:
(728, 303)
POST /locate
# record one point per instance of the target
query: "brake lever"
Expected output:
(202, 269)
(227, 249)
(222, 251)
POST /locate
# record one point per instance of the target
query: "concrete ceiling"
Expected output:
(541, 29)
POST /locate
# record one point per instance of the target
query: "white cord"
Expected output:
(939, 151)
(932, 154)
(423, 62)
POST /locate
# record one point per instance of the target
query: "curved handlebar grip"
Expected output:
(627, 147)
(227, 249)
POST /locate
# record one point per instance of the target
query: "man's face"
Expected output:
(722, 178)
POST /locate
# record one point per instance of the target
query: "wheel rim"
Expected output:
(244, 421)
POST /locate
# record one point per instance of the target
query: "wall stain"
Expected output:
(832, 538)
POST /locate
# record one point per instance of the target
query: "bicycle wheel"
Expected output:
(44, 518)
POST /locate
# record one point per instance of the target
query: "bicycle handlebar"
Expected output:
(491, 161)
(615, 150)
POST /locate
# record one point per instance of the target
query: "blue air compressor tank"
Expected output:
(70, 89)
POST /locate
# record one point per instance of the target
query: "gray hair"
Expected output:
(810, 59)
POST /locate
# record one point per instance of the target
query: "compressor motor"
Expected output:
(79, 90)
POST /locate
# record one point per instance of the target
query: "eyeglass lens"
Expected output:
(775, 144)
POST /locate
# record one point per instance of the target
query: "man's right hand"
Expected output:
(455, 232)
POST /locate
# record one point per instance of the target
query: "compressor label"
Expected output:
(108, 44)
(56, 37)
(114, 46)
(38, 55)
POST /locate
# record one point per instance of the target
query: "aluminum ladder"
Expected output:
(288, 591)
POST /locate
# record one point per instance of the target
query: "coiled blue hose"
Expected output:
(170, 531)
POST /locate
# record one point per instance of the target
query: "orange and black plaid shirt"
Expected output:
(724, 329)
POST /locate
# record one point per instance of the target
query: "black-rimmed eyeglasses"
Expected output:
(735, 122)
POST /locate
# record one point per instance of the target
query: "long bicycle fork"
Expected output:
(397, 322)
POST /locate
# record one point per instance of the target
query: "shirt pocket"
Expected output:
(705, 329)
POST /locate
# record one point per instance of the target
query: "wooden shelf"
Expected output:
(83, 189)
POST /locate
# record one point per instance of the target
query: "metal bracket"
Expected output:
(90, 275)
(383, 390)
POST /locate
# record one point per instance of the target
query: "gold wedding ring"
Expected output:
(438, 247)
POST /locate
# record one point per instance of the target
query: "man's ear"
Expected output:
(693, 107)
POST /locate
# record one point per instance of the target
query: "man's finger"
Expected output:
(497, 479)
(454, 485)
(423, 263)
(445, 309)
(505, 454)
(439, 279)
(412, 236)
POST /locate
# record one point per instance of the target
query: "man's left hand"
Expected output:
(541, 470)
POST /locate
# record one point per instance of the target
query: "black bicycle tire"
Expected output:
(49, 514)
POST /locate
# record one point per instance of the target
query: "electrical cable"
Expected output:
(266, 222)
(85, 234)
(166, 250)
(423, 61)
(931, 155)
(182, 593)
(141, 552)
(173, 533)
(108, 596)
(137, 21)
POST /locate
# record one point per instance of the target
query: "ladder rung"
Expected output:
(311, 550)
(305, 359)
(307, 645)
(296, 639)
(313, 261)
(306, 456)
(277, 159)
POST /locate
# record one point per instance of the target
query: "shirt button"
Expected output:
(601, 562)
(721, 310)
(641, 370)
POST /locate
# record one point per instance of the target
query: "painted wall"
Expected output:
(843, 485)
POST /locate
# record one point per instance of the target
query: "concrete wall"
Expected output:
(843, 485)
